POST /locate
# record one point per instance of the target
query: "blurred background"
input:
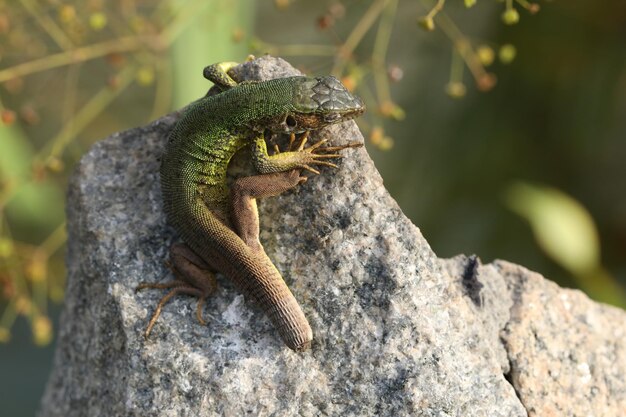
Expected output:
(499, 127)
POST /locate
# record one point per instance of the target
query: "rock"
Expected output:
(397, 331)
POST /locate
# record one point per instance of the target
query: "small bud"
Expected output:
(534, 8)
(238, 34)
(392, 110)
(469, 3)
(507, 53)
(325, 21)
(376, 135)
(486, 55)
(510, 16)
(36, 270)
(145, 76)
(386, 143)
(455, 89)
(427, 23)
(42, 330)
(395, 73)
(67, 13)
(7, 116)
(98, 21)
(486, 82)
(380, 140)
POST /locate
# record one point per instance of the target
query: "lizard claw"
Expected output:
(317, 145)
(313, 156)
(306, 158)
(309, 168)
(292, 139)
(303, 139)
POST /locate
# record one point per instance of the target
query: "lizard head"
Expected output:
(317, 102)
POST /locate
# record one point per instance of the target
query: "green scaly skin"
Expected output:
(220, 225)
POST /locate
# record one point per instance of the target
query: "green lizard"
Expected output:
(219, 224)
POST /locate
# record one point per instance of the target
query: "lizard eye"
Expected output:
(291, 122)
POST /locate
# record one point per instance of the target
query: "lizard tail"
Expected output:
(285, 313)
(252, 272)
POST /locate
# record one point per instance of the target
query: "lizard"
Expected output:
(218, 222)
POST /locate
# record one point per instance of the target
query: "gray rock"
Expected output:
(397, 330)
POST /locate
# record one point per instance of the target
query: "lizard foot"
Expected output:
(193, 277)
(177, 287)
(304, 158)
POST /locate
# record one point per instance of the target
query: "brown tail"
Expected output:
(252, 272)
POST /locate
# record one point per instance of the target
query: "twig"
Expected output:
(379, 53)
(361, 28)
(52, 29)
(72, 56)
(462, 45)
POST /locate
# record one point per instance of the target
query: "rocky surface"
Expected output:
(397, 330)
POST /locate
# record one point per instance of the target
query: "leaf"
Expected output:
(562, 226)
(34, 206)
(567, 233)
(15, 153)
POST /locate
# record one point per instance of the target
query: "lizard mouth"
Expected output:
(357, 109)
(301, 122)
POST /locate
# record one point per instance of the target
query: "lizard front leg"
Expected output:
(301, 158)
(193, 277)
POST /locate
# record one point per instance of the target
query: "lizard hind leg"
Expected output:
(193, 277)
(219, 74)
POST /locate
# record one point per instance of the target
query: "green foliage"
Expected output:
(30, 204)
(562, 226)
(566, 232)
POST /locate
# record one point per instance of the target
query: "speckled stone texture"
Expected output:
(397, 331)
